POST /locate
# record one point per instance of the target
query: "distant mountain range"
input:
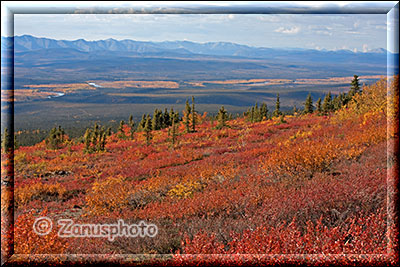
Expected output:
(26, 43)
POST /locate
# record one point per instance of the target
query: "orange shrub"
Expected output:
(41, 191)
(26, 241)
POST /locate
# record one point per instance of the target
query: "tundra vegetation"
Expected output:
(311, 182)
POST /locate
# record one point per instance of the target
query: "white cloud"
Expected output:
(292, 30)
(326, 31)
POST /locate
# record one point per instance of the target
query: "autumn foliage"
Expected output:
(310, 184)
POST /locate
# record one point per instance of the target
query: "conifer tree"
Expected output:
(222, 117)
(193, 116)
(148, 129)
(121, 133)
(176, 117)
(103, 141)
(187, 116)
(95, 135)
(256, 115)
(16, 144)
(95, 139)
(172, 115)
(308, 106)
(142, 123)
(167, 119)
(327, 105)
(336, 103)
(61, 133)
(132, 127)
(55, 138)
(252, 113)
(354, 89)
(355, 85)
(87, 139)
(130, 119)
(6, 143)
(156, 125)
(277, 111)
(264, 111)
(319, 106)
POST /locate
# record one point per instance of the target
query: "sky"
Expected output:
(356, 32)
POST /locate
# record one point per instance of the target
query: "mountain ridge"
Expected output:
(30, 43)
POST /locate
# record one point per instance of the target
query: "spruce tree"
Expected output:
(327, 105)
(156, 123)
(95, 135)
(264, 111)
(354, 89)
(61, 133)
(308, 105)
(336, 105)
(222, 117)
(173, 133)
(256, 113)
(252, 113)
(103, 141)
(130, 121)
(187, 116)
(55, 138)
(176, 117)
(355, 85)
(87, 138)
(342, 97)
(148, 128)
(6, 143)
(121, 133)
(277, 111)
(319, 106)
(16, 143)
(193, 116)
(167, 119)
(172, 115)
(95, 139)
(142, 123)
(132, 127)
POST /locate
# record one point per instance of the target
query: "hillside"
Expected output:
(302, 184)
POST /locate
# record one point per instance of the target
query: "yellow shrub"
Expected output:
(24, 195)
(185, 190)
(108, 195)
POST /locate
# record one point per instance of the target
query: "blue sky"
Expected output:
(356, 32)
